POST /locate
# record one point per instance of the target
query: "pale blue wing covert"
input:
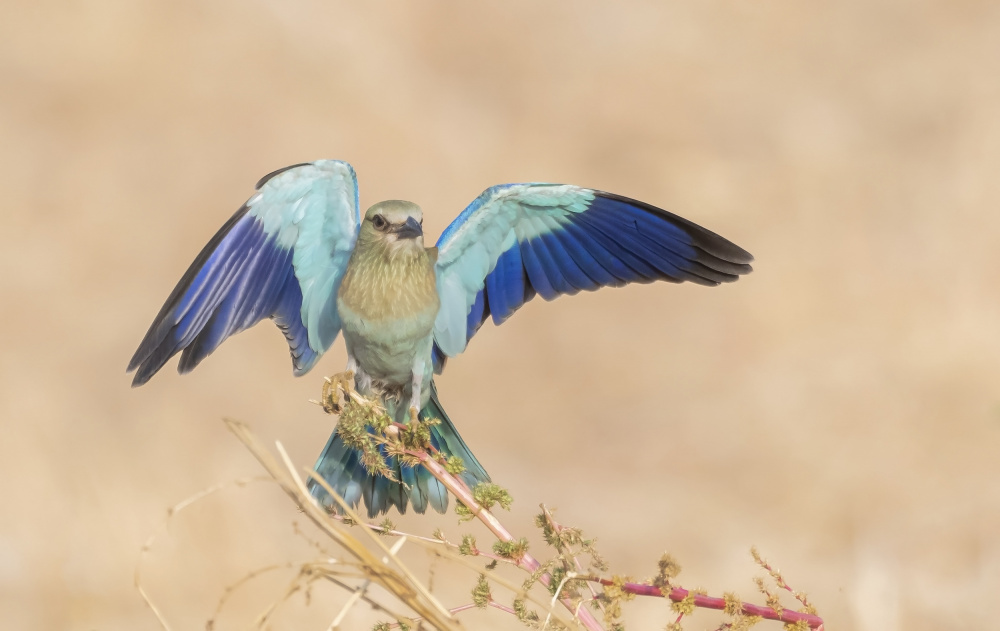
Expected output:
(281, 256)
(518, 240)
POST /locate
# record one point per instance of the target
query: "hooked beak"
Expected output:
(409, 230)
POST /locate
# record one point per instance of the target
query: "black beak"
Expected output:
(409, 230)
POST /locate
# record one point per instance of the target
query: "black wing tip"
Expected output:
(703, 238)
(142, 377)
(139, 362)
(133, 364)
(147, 364)
(264, 180)
(724, 249)
(158, 331)
(148, 358)
(721, 265)
(189, 360)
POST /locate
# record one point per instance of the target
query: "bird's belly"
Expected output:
(387, 349)
(389, 365)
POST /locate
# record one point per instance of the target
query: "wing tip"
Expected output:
(703, 238)
(726, 250)
(141, 377)
(141, 363)
(133, 363)
(299, 368)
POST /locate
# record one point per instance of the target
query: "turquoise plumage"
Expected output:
(299, 253)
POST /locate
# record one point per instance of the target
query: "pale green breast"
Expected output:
(388, 306)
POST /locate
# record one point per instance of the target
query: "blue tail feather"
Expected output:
(340, 466)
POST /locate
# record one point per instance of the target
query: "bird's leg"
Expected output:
(352, 364)
(362, 380)
(416, 389)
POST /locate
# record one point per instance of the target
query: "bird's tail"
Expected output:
(340, 465)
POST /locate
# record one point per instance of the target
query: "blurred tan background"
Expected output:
(838, 408)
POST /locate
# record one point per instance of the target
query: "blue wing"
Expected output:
(516, 240)
(281, 256)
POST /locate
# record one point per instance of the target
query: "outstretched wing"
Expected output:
(516, 240)
(281, 256)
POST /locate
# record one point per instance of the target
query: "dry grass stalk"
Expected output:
(398, 581)
(564, 575)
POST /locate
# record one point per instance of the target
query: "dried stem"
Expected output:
(432, 540)
(530, 564)
(399, 582)
(171, 513)
(557, 527)
(393, 575)
(465, 607)
(526, 562)
(678, 594)
(780, 581)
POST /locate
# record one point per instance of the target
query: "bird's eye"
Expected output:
(379, 222)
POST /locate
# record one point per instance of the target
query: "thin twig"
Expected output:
(678, 594)
(361, 590)
(376, 605)
(569, 576)
(400, 583)
(526, 561)
(171, 513)
(265, 615)
(231, 589)
(493, 576)
(432, 540)
(414, 594)
(780, 580)
(501, 607)
(557, 527)
(452, 611)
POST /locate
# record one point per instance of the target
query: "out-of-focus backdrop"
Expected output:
(839, 407)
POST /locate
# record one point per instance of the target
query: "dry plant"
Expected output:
(577, 588)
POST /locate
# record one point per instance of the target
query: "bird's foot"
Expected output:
(335, 391)
(415, 403)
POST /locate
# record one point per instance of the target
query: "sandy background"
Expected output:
(838, 408)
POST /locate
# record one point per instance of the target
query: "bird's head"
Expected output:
(395, 224)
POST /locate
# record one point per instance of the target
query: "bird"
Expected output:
(299, 252)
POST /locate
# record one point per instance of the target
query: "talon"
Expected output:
(414, 415)
(332, 389)
(328, 397)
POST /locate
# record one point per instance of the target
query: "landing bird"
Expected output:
(299, 253)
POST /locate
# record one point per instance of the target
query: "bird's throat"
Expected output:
(390, 282)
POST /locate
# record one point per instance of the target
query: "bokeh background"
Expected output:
(838, 408)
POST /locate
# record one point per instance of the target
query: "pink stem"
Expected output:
(708, 602)
(526, 562)
(495, 604)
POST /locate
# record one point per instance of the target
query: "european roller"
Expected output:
(299, 252)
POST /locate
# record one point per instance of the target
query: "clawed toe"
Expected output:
(330, 398)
